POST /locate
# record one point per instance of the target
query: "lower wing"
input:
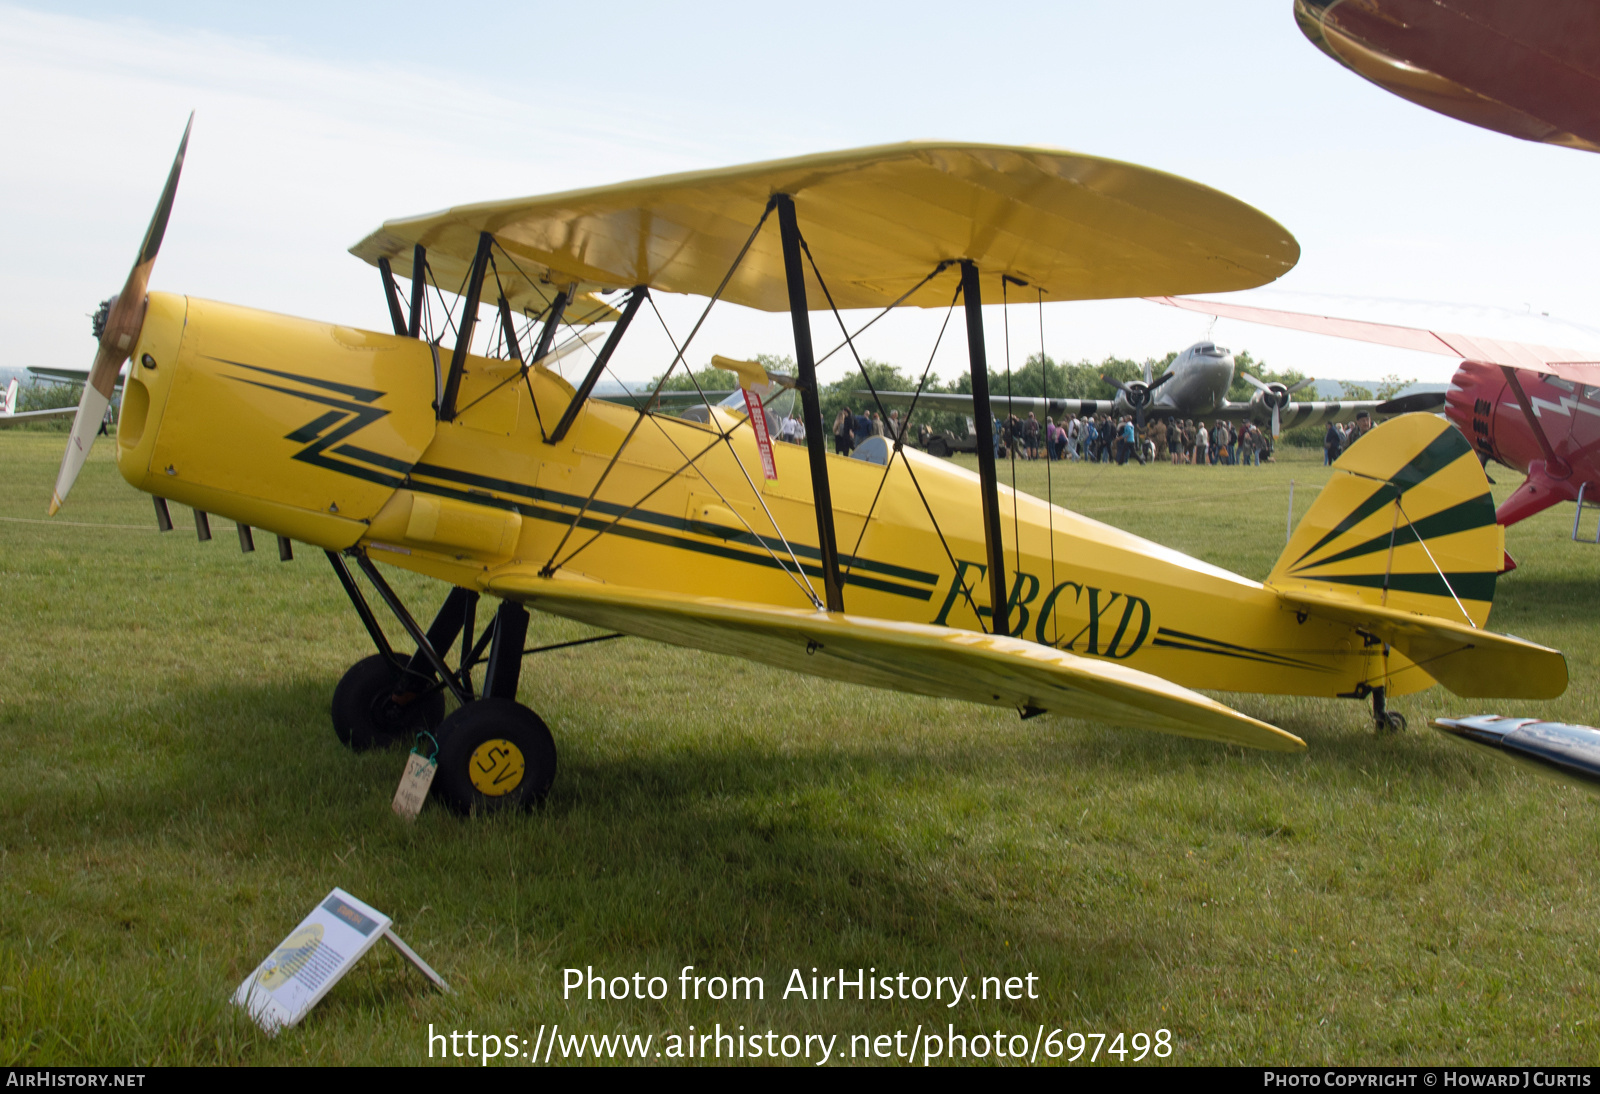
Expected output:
(909, 657)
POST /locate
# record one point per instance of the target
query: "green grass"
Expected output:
(173, 800)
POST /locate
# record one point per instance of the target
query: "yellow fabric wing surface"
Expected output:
(909, 657)
(878, 220)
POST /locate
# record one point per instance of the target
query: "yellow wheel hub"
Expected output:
(496, 767)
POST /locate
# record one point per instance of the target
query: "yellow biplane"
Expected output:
(492, 473)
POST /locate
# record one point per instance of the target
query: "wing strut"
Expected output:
(419, 285)
(392, 293)
(469, 317)
(586, 388)
(1553, 462)
(983, 424)
(806, 382)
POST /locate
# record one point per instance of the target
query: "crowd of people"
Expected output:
(1104, 439)
(849, 429)
(1340, 437)
(1095, 439)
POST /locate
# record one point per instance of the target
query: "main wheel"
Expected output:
(371, 711)
(494, 754)
(938, 446)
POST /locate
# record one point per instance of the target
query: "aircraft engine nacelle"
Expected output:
(1135, 395)
(1276, 397)
(300, 428)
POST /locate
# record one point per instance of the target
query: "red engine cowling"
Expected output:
(1482, 404)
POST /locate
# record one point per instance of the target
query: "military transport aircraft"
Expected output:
(1535, 409)
(1195, 386)
(495, 475)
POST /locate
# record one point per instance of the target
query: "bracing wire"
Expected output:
(1049, 458)
(656, 394)
(905, 423)
(1014, 427)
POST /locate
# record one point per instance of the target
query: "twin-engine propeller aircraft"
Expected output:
(495, 475)
(1194, 386)
(1534, 408)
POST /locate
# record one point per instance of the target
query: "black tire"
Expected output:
(368, 713)
(494, 754)
(1395, 722)
(937, 446)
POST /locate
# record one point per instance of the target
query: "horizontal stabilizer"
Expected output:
(36, 415)
(910, 657)
(1473, 663)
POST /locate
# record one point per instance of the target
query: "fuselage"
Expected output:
(1201, 376)
(328, 434)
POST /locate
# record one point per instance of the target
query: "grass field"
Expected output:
(173, 800)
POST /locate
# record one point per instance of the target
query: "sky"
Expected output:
(314, 123)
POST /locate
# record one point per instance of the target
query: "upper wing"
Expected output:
(1570, 364)
(879, 221)
(910, 657)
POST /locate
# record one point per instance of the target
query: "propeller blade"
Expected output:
(1307, 382)
(1163, 379)
(118, 336)
(1114, 383)
(1259, 385)
(1276, 427)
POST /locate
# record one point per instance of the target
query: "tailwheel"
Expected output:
(1392, 722)
(377, 704)
(494, 754)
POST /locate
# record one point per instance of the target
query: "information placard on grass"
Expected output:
(308, 963)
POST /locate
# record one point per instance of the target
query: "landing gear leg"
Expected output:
(1384, 719)
(495, 753)
(387, 699)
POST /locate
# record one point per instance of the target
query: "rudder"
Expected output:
(1406, 522)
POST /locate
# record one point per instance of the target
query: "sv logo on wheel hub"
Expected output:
(496, 767)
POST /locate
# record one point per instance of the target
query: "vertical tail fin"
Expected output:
(1406, 522)
(11, 396)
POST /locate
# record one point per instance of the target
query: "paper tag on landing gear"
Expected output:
(414, 785)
